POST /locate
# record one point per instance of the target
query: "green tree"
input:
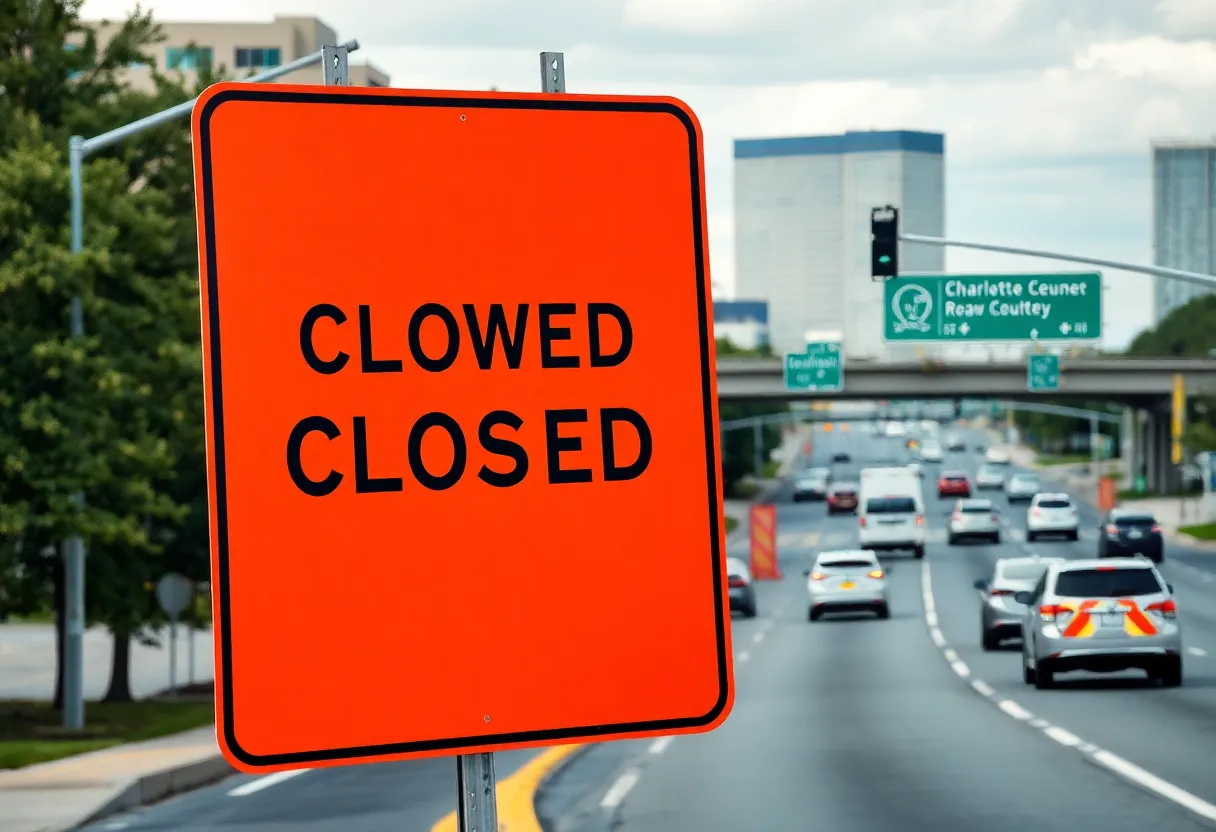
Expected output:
(738, 446)
(116, 414)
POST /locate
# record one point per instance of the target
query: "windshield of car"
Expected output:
(1022, 571)
(890, 505)
(1106, 583)
(1054, 503)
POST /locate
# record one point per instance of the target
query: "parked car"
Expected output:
(1127, 532)
(741, 587)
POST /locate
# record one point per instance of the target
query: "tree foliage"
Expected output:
(738, 446)
(115, 414)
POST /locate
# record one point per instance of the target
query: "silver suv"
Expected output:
(1103, 616)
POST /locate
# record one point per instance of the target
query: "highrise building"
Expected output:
(1184, 222)
(243, 49)
(802, 229)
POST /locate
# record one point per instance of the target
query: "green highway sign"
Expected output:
(1042, 372)
(993, 307)
(820, 369)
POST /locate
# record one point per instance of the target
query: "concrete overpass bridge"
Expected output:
(1135, 382)
(1144, 386)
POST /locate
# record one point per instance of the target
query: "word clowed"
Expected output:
(494, 342)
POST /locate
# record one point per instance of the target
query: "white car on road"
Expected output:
(995, 456)
(1051, 514)
(931, 452)
(988, 477)
(847, 581)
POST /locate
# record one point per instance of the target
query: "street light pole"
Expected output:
(74, 552)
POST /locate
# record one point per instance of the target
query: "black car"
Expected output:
(841, 456)
(1127, 532)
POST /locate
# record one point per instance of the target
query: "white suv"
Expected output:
(1051, 514)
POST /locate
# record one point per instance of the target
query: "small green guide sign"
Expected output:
(820, 369)
(993, 307)
(1042, 372)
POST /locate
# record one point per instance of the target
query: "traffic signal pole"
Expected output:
(1197, 278)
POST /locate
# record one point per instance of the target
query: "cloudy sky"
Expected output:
(1048, 105)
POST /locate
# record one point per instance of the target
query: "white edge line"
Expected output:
(961, 668)
(742, 657)
(931, 618)
(660, 745)
(950, 655)
(620, 789)
(758, 637)
(1155, 784)
(264, 782)
(1061, 736)
(982, 688)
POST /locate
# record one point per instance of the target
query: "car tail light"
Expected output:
(1155, 529)
(736, 581)
(956, 517)
(1048, 612)
(920, 521)
(1112, 529)
(997, 593)
(1167, 608)
(817, 576)
(876, 573)
(1036, 512)
(993, 517)
(862, 520)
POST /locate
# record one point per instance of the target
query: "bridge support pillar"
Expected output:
(1157, 447)
(1130, 445)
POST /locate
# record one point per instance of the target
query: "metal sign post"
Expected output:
(476, 785)
(174, 593)
(73, 552)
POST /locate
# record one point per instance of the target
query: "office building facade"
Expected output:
(242, 49)
(802, 229)
(742, 322)
(1184, 219)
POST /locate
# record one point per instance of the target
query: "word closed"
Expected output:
(434, 340)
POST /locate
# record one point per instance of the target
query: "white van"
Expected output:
(891, 511)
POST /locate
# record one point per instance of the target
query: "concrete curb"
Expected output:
(153, 788)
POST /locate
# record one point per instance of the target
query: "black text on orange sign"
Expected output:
(490, 336)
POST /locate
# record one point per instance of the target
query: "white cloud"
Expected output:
(1048, 107)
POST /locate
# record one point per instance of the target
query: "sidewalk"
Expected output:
(65, 794)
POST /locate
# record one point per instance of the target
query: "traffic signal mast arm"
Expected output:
(1160, 271)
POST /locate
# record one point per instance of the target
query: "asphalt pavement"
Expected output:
(856, 724)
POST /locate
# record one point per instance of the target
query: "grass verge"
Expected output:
(32, 732)
(1061, 459)
(732, 523)
(1201, 531)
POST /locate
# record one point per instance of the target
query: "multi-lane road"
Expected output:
(850, 724)
(858, 724)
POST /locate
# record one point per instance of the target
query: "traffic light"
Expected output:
(884, 242)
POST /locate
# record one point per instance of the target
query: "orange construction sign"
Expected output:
(1108, 493)
(438, 333)
(763, 527)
